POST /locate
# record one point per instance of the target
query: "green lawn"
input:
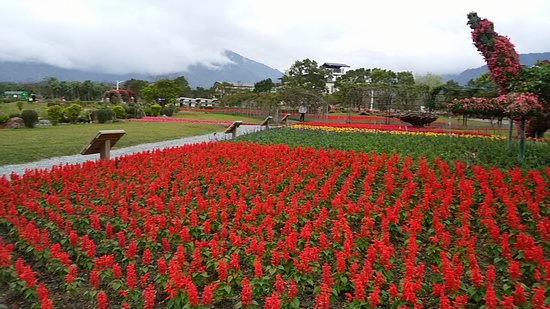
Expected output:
(7, 109)
(202, 115)
(28, 145)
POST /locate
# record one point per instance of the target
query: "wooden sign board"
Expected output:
(233, 128)
(102, 142)
(266, 122)
(285, 118)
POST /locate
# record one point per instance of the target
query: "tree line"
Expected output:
(304, 82)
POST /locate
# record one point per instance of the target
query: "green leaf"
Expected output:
(227, 289)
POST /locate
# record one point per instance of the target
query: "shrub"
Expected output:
(85, 116)
(72, 112)
(130, 111)
(19, 105)
(30, 117)
(148, 111)
(103, 115)
(417, 119)
(118, 112)
(4, 118)
(13, 115)
(55, 114)
(155, 109)
(167, 111)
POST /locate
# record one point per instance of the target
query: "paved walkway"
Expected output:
(20, 169)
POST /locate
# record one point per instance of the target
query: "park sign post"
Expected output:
(102, 142)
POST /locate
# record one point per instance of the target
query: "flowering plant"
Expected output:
(476, 106)
(497, 50)
(519, 106)
(273, 226)
(516, 106)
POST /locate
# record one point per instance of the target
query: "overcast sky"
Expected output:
(166, 36)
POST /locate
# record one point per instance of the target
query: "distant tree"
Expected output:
(52, 87)
(88, 91)
(222, 89)
(65, 90)
(351, 87)
(166, 89)
(150, 93)
(452, 90)
(351, 94)
(135, 85)
(267, 99)
(482, 86)
(357, 76)
(383, 95)
(433, 85)
(184, 84)
(201, 92)
(237, 99)
(429, 79)
(409, 97)
(308, 76)
(264, 85)
(382, 76)
(405, 78)
(305, 83)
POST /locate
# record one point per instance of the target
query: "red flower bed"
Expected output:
(169, 119)
(392, 127)
(239, 224)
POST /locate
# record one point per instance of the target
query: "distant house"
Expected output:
(196, 102)
(223, 88)
(337, 69)
(16, 95)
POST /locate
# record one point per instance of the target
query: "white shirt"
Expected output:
(302, 109)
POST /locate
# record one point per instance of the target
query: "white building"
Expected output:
(196, 102)
(337, 69)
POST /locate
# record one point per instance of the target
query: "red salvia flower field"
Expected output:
(238, 224)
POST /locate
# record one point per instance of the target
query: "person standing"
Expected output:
(302, 110)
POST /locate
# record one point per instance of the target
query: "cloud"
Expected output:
(161, 37)
(115, 36)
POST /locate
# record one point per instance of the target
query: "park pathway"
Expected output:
(20, 169)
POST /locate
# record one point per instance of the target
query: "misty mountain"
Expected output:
(241, 69)
(466, 76)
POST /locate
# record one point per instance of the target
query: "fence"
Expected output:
(474, 125)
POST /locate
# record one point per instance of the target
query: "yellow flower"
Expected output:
(419, 133)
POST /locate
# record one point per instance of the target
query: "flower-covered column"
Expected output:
(497, 50)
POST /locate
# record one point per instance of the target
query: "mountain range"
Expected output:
(467, 75)
(241, 69)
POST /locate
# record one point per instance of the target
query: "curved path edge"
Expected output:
(7, 170)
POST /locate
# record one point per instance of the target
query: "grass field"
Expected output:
(28, 145)
(200, 115)
(7, 109)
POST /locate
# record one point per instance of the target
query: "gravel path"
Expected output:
(6, 170)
